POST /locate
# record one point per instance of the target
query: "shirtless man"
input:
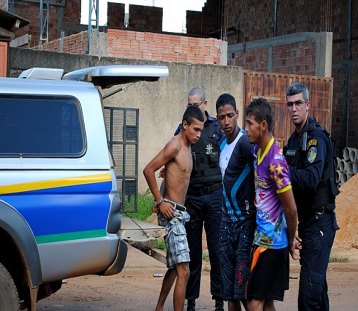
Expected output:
(177, 159)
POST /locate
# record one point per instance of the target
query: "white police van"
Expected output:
(59, 203)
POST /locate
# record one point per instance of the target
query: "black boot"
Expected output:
(190, 305)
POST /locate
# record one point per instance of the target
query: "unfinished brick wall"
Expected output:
(247, 21)
(60, 12)
(72, 12)
(115, 15)
(345, 66)
(163, 47)
(296, 57)
(205, 23)
(31, 11)
(145, 18)
(74, 44)
(251, 20)
(256, 60)
(286, 58)
(145, 45)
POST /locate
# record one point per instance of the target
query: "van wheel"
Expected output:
(9, 297)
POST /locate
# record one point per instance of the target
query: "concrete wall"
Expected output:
(161, 104)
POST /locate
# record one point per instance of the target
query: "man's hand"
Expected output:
(296, 244)
(155, 208)
(167, 210)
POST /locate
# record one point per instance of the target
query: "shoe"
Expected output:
(190, 305)
(219, 305)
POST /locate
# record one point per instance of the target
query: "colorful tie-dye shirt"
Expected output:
(271, 178)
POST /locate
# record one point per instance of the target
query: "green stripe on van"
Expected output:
(90, 234)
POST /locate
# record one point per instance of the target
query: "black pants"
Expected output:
(317, 234)
(204, 210)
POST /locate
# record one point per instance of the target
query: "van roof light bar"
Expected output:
(38, 73)
(107, 76)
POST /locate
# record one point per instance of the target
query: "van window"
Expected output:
(41, 126)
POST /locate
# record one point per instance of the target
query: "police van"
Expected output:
(59, 203)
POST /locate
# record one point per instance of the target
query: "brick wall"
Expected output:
(145, 18)
(297, 57)
(145, 45)
(250, 20)
(73, 44)
(163, 47)
(58, 14)
(72, 12)
(289, 57)
(115, 15)
(247, 21)
(3, 58)
(205, 23)
(251, 60)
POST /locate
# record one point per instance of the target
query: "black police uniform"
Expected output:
(203, 203)
(310, 156)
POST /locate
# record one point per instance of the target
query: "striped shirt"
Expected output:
(236, 164)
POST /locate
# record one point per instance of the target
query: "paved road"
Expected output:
(136, 288)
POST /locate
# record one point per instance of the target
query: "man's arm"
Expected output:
(165, 155)
(309, 177)
(290, 210)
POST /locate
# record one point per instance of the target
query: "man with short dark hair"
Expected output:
(177, 159)
(238, 219)
(310, 155)
(276, 215)
(203, 202)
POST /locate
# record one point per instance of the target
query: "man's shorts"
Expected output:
(235, 249)
(176, 240)
(269, 277)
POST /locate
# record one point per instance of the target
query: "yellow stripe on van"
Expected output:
(55, 183)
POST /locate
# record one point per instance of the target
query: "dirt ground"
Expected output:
(136, 287)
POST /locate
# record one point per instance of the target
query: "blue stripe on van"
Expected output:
(64, 209)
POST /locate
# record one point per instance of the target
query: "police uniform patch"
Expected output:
(311, 155)
(312, 142)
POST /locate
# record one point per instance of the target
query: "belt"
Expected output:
(201, 190)
(176, 205)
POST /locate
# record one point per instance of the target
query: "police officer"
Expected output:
(203, 202)
(310, 155)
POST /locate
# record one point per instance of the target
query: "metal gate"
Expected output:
(122, 131)
(272, 86)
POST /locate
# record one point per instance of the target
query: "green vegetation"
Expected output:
(145, 202)
(205, 255)
(338, 259)
(160, 244)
